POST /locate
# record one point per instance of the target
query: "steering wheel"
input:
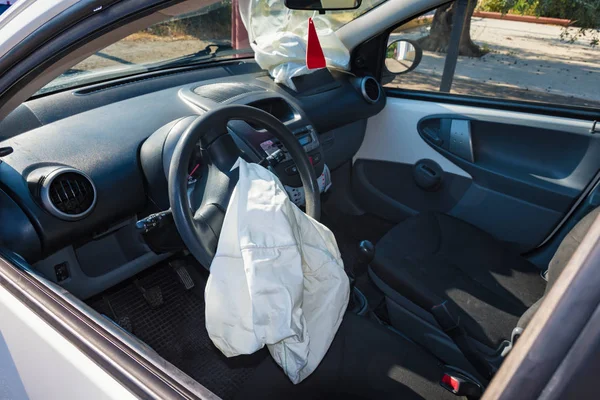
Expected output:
(200, 228)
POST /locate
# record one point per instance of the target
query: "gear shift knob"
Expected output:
(366, 252)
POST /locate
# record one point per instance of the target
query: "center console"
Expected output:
(287, 171)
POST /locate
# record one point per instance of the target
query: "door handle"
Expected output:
(460, 139)
(450, 134)
(433, 136)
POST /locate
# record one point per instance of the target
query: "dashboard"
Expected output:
(87, 164)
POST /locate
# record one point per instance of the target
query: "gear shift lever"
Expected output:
(366, 252)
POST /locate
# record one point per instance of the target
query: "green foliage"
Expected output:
(491, 5)
(521, 7)
(525, 7)
(391, 50)
(583, 14)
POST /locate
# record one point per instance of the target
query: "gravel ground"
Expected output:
(526, 61)
(140, 51)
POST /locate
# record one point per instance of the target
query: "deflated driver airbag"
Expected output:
(277, 278)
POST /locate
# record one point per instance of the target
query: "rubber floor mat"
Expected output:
(176, 329)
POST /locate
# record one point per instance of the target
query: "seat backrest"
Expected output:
(561, 258)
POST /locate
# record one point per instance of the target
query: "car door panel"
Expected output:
(525, 173)
(388, 189)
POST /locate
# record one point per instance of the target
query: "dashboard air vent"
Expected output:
(370, 89)
(221, 92)
(68, 194)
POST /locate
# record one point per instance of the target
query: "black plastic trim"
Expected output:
(395, 202)
(582, 113)
(529, 191)
(125, 365)
(368, 57)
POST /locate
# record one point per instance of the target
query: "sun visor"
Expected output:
(279, 38)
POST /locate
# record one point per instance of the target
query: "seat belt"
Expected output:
(418, 294)
(452, 328)
(516, 333)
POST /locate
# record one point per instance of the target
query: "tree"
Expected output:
(584, 16)
(441, 27)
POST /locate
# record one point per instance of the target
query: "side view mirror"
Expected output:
(402, 56)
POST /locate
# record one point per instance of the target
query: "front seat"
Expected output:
(433, 259)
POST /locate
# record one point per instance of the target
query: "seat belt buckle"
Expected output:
(461, 385)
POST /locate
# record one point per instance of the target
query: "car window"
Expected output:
(205, 33)
(519, 55)
(212, 33)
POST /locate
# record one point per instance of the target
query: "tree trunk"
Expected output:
(441, 27)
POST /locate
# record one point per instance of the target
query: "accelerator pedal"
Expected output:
(179, 266)
(152, 295)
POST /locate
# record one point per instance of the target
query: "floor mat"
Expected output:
(176, 329)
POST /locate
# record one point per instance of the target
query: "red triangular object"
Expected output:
(314, 53)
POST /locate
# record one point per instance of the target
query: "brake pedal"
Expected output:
(153, 295)
(182, 273)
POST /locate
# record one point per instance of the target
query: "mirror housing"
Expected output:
(322, 5)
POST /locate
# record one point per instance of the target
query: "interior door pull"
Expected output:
(460, 139)
(433, 136)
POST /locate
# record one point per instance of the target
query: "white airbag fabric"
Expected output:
(277, 278)
(279, 38)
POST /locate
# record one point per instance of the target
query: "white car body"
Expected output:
(25, 17)
(37, 360)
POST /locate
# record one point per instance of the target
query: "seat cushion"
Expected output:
(439, 257)
(365, 361)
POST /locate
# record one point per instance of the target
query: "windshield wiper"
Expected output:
(211, 51)
(86, 77)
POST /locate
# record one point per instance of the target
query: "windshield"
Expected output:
(214, 32)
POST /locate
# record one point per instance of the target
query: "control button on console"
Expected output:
(314, 158)
(291, 170)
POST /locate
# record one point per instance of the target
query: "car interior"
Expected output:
(453, 218)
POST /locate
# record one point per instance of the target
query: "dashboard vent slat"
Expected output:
(68, 194)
